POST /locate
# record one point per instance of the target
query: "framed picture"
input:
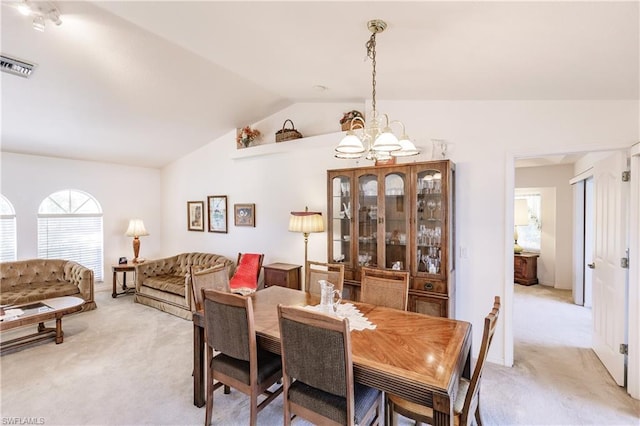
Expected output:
(195, 216)
(244, 214)
(217, 209)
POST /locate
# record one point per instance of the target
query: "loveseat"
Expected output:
(25, 281)
(165, 284)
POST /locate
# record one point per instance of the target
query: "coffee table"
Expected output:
(38, 313)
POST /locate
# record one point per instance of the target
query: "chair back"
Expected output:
(316, 351)
(385, 287)
(471, 400)
(229, 326)
(316, 271)
(214, 277)
(247, 271)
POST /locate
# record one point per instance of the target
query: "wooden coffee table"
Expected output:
(38, 313)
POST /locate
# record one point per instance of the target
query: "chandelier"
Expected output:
(374, 138)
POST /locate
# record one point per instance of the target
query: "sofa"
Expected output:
(165, 284)
(33, 280)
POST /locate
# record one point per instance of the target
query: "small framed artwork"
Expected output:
(217, 209)
(244, 214)
(195, 216)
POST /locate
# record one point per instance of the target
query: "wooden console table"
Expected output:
(525, 268)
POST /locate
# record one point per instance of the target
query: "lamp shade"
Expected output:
(350, 144)
(136, 228)
(521, 213)
(306, 222)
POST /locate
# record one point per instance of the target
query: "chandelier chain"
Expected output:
(371, 53)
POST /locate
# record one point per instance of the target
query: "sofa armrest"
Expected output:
(152, 268)
(82, 277)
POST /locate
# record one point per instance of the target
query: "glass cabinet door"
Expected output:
(430, 232)
(367, 220)
(341, 214)
(396, 232)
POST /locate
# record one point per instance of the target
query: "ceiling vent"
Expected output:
(16, 66)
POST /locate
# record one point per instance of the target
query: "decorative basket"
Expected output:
(285, 134)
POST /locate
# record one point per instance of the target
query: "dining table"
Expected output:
(415, 356)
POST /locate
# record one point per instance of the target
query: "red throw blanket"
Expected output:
(246, 274)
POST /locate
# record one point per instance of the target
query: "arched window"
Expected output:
(8, 244)
(70, 227)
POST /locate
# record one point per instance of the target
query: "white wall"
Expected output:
(486, 137)
(556, 254)
(123, 193)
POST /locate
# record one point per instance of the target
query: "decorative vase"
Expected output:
(246, 142)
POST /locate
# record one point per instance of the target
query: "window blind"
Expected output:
(76, 237)
(8, 244)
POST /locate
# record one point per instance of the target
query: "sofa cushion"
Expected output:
(168, 283)
(35, 291)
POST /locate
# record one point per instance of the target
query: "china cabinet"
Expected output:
(397, 217)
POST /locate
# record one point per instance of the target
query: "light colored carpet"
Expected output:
(128, 364)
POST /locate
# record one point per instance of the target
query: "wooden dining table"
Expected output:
(417, 357)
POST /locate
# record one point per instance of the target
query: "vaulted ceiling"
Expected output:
(145, 82)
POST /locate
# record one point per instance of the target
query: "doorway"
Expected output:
(585, 288)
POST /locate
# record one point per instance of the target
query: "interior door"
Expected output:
(609, 277)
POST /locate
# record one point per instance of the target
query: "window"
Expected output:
(70, 227)
(8, 244)
(529, 235)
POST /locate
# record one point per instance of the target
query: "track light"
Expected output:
(41, 11)
(38, 23)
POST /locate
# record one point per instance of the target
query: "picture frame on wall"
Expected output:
(195, 215)
(217, 212)
(244, 214)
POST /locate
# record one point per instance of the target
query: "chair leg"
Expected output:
(210, 389)
(477, 413)
(254, 409)
(227, 390)
(388, 412)
(478, 416)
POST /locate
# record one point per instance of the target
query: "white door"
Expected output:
(609, 278)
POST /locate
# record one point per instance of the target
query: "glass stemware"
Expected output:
(431, 205)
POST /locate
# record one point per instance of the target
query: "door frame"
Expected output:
(633, 302)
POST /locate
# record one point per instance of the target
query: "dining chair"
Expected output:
(214, 277)
(467, 404)
(316, 271)
(384, 287)
(317, 371)
(239, 363)
(245, 278)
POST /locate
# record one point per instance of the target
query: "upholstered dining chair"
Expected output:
(245, 278)
(317, 371)
(240, 364)
(384, 287)
(467, 404)
(214, 277)
(316, 271)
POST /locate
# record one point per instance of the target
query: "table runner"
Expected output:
(357, 320)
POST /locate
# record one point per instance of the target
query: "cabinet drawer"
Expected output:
(426, 284)
(434, 306)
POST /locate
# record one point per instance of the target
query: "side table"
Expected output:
(283, 275)
(525, 268)
(124, 268)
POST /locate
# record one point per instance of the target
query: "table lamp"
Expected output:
(136, 229)
(520, 218)
(306, 222)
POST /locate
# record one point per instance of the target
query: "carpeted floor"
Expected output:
(128, 364)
